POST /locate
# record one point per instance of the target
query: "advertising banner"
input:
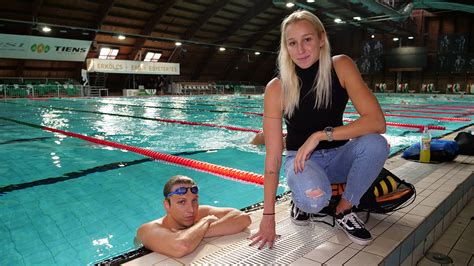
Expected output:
(43, 48)
(131, 67)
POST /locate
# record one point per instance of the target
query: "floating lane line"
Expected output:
(436, 107)
(428, 112)
(392, 124)
(83, 173)
(454, 119)
(182, 122)
(164, 107)
(219, 170)
(466, 113)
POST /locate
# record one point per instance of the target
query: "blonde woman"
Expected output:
(310, 94)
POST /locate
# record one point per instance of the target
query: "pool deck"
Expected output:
(439, 220)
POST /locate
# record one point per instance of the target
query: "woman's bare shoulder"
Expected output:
(275, 82)
(341, 60)
(273, 86)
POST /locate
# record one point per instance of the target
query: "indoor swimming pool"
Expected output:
(64, 200)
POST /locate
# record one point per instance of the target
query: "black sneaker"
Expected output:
(317, 217)
(353, 227)
(298, 216)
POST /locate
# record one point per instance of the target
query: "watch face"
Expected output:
(328, 131)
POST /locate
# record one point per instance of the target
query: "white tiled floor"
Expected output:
(435, 184)
(456, 241)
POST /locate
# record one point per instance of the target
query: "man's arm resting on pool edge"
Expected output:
(176, 244)
(230, 221)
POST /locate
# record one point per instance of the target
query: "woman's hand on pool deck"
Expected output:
(304, 152)
(266, 233)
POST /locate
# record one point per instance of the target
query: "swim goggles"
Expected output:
(184, 190)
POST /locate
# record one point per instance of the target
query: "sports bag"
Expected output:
(465, 141)
(440, 151)
(387, 193)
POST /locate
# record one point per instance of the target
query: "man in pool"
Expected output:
(186, 222)
(259, 139)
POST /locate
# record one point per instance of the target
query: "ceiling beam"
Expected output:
(209, 13)
(199, 67)
(387, 27)
(103, 12)
(36, 8)
(37, 4)
(160, 12)
(202, 20)
(252, 13)
(252, 41)
(252, 71)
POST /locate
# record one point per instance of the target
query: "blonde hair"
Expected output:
(289, 80)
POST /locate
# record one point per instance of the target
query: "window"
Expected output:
(108, 53)
(152, 57)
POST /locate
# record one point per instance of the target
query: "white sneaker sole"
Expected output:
(362, 242)
(300, 223)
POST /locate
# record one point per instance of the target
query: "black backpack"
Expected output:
(387, 193)
(465, 141)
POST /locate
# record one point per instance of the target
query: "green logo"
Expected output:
(39, 48)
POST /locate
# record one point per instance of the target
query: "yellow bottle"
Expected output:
(425, 146)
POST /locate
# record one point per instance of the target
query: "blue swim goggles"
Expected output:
(184, 190)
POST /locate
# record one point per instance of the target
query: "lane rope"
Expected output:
(219, 170)
(393, 124)
(455, 119)
(182, 122)
(419, 127)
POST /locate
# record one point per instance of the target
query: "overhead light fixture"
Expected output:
(338, 20)
(290, 3)
(372, 36)
(357, 18)
(411, 37)
(257, 53)
(46, 29)
(178, 43)
(395, 39)
(121, 37)
(222, 49)
(152, 57)
(310, 1)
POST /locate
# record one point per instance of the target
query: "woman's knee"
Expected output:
(312, 200)
(374, 144)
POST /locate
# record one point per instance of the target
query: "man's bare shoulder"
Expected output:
(151, 226)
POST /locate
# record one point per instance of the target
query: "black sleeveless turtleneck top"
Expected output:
(308, 119)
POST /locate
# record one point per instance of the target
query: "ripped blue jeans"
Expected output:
(357, 163)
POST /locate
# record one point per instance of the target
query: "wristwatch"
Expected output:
(328, 132)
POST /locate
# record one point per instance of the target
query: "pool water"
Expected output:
(68, 201)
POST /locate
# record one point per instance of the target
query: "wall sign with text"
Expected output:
(43, 48)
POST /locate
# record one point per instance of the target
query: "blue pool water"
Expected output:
(67, 201)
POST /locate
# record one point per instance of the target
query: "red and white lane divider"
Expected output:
(427, 112)
(392, 124)
(460, 119)
(436, 107)
(224, 171)
(207, 125)
(419, 127)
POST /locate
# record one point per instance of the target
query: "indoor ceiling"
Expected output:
(243, 27)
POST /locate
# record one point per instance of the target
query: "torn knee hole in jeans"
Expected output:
(314, 193)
